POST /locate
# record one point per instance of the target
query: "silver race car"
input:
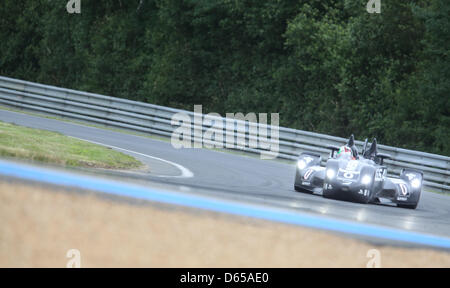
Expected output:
(351, 177)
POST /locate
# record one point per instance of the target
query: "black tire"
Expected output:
(327, 196)
(408, 206)
(375, 200)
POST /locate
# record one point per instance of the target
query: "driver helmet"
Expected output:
(345, 152)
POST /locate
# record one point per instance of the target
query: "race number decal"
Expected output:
(352, 165)
(380, 175)
(348, 175)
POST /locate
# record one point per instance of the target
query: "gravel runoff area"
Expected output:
(41, 224)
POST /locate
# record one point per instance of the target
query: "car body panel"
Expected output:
(347, 181)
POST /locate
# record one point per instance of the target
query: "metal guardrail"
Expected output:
(157, 120)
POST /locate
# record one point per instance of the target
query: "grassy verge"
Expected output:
(51, 147)
(136, 133)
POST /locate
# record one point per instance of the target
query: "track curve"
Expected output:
(246, 178)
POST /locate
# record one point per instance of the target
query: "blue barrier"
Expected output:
(262, 212)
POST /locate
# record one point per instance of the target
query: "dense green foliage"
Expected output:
(326, 66)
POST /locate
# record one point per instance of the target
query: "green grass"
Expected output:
(135, 133)
(51, 147)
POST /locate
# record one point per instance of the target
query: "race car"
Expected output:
(351, 177)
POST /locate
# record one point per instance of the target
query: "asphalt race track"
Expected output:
(245, 178)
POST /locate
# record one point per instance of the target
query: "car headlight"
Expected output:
(415, 183)
(301, 164)
(330, 173)
(366, 179)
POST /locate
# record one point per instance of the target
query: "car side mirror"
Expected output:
(333, 149)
